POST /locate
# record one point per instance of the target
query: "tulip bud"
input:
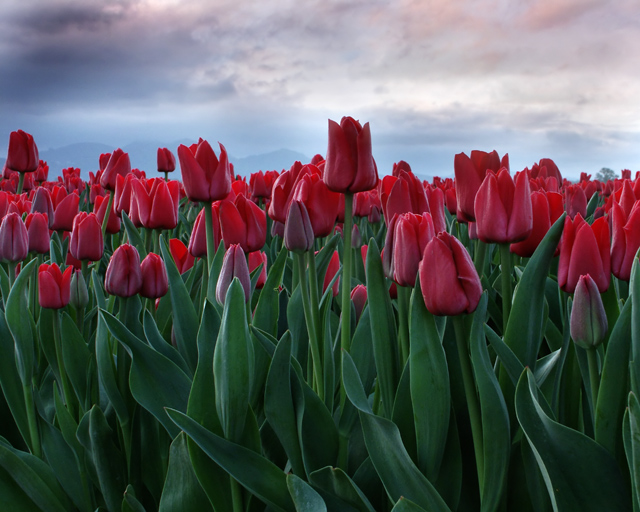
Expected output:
(166, 160)
(37, 226)
(588, 319)
(124, 277)
(359, 298)
(23, 152)
(86, 237)
(42, 203)
(155, 282)
(233, 265)
(14, 239)
(119, 163)
(54, 287)
(332, 270)
(79, 294)
(298, 233)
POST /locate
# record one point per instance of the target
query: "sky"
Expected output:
(532, 78)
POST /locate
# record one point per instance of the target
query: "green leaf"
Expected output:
(404, 505)
(397, 471)
(631, 436)
(35, 478)
(181, 489)
(509, 360)
(134, 236)
(383, 329)
(265, 316)
(233, 364)
(430, 392)
(76, 357)
(160, 345)
(155, 381)
(259, 475)
(303, 495)
(278, 404)
(578, 472)
(634, 292)
(612, 394)
(21, 325)
(12, 497)
(337, 483)
(496, 432)
(5, 286)
(524, 329)
(185, 319)
(129, 501)
(98, 290)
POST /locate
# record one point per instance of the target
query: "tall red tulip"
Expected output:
(157, 202)
(256, 259)
(584, 249)
(350, 166)
(321, 203)
(205, 177)
(155, 283)
(449, 281)
(37, 226)
(503, 208)
(198, 238)
(14, 239)
(119, 164)
(22, 155)
(244, 223)
(166, 160)
(54, 286)
(124, 276)
(411, 235)
(546, 208)
(86, 237)
(65, 211)
(625, 239)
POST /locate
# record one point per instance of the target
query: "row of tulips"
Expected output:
(317, 338)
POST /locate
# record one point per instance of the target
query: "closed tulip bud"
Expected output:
(157, 202)
(198, 238)
(321, 203)
(470, 173)
(205, 177)
(65, 212)
(243, 222)
(359, 298)
(233, 265)
(575, 201)
(86, 237)
(100, 208)
(411, 235)
(332, 270)
(155, 282)
(625, 239)
(166, 160)
(79, 293)
(124, 277)
(588, 319)
(37, 226)
(298, 232)
(374, 215)
(449, 281)
(22, 155)
(42, 203)
(54, 287)
(14, 239)
(350, 166)
(119, 164)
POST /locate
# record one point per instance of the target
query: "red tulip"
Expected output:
(449, 281)
(54, 287)
(166, 160)
(205, 178)
(184, 260)
(42, 172)
(359, 298)
(332, 270)
(261, 183)
(435, 197)
(584, 249)
(244, 223)
(546, 168)
(575, 201)
(402, 193)
(282, 191)
(256, 259)
(503, 208)
(155, 282)
(350, 166)
(65, 211)
(122, 198)
(119, 164)
(625, 239)
(22, 155)
(321, 203)
(14, 239)
(198, 238)
(37, 225)
(124, 276)
(233, 265)
(157, 202)
(100, 208)
(588, 322)
(103, 160)
(298, 231)
(86, 237)
(411, 235)
(546, 208)
(42, 203)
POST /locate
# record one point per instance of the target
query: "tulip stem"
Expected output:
(30, 406)
(311, 326)
(64, 381)
(462, 340)
(479, 257)
(20, 184)
(105, 221)
(12, 273)
(404, 293)
(211, 246)
(594, 377)
(345, 335)
(507, 268)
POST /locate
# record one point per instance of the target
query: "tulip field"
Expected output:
(330, 337)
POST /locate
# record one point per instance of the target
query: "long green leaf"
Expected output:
(337, 483)
(265, 316)
(404, 505)
(578, 472)
(303, 495)
(259, 475)
(76, 357)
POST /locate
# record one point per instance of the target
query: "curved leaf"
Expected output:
(265, 316)
(303, 495)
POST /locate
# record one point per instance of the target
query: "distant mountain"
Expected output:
(143, 156)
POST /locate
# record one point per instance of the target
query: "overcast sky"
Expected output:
(534, 78)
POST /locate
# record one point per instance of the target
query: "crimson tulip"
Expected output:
(575, 201)
(65, 211)
(166, 160)
(350, 166)
(332, 270)
(298, 231)
(282, 191)
(155, 282)
(42, 172)
(359, 298)
(157, 201)
(124, 276)
(449, 281)
(584, 249)
(321, 203)
(42, 203)
(261, 184)
(546, 208)
(625, 239)
(411, 235)
(205, 177)
(243, 222)
(233, 265)
(402, 192)
(198, 238)
(119, 164)
(54, 286)
(503, 208)
(86, 237)
(14, 239)
(100, 208)
(181, 257)
(37, 225)
(256, 259)
(22, 155)
(122, 198)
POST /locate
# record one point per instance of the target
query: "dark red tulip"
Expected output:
(411, 235)
(124, 276)
(244, 223)
(332, 270)
(625, 239)
(205, 178)
(584, 249)
(42, 172)
(86, 237)
(14, 239)
(359, 298)
(321, 203)
(233, 265)
(157, 201)
(547, 208)
(575, 201)
(166, 160)
(298, 231)
(184, 260)
(402, 193)
(282, 191)
(37, 225)
(22, 155)
(261, 183)
(54, 286)
(103, 160)
(256, 259)
(42, 203)
(100, 208)
(65, 211)
(122, 198)
(449, 281)
(588, 322)
(350, 166)
(198, 238)
(155, 282)
(119, 164)
(503, 208)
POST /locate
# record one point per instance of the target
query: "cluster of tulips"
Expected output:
(317, 338)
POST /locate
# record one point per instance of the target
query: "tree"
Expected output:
(605, 174)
